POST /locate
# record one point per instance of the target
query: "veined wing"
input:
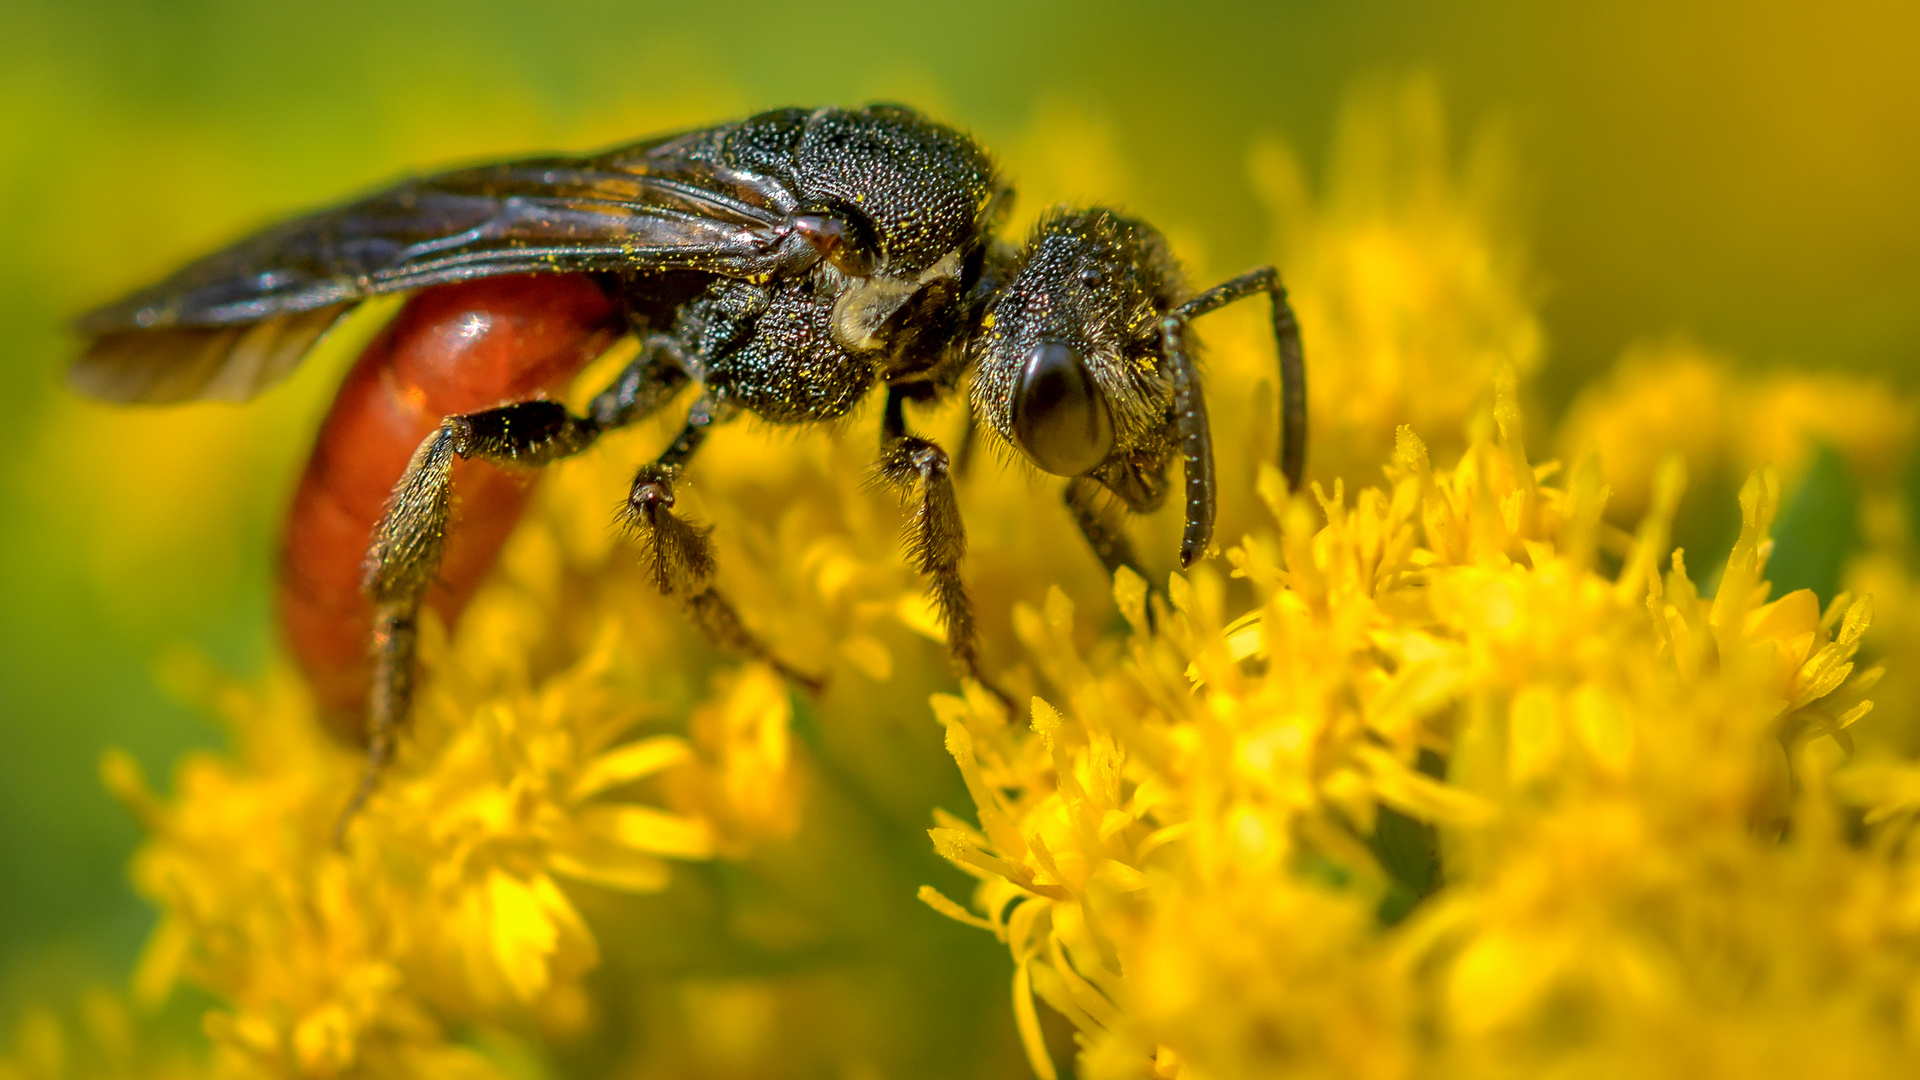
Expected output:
(232, 323)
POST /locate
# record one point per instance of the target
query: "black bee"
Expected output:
(786, 263)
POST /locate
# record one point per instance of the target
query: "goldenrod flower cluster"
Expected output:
(447, 900)
(1405, 270)
(1611, 795)
(1677, 398)
(1452, 765)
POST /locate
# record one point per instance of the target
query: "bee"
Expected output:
(786, 264)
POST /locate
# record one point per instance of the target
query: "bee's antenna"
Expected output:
(1196, 437)
(1293, 388)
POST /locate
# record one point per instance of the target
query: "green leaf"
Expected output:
(1817, 529)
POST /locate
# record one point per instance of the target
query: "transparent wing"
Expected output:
(231, 324)
(189, 363)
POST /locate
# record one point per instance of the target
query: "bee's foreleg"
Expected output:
(936, 540)
(1103, 534)
(1141, 491)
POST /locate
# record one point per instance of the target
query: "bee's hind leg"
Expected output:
(404, 559)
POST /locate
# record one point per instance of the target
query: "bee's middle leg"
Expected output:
(680, 555)
(405, 556)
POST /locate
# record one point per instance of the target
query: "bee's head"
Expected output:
(1067, 366)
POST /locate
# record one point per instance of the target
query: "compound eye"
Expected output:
(837, 242)
(1060, 417)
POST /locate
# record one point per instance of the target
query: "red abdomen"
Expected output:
(453, 349)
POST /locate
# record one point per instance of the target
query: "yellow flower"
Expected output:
(1186, 849)
(1409, 287)
(450, 902)
(1439, 770)
(1677, 398)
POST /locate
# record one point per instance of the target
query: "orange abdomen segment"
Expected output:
(453, 349)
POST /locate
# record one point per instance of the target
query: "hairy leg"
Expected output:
(1103, 534)
(1141, 491)
(936, 541)
(408, 543)
(680, 555)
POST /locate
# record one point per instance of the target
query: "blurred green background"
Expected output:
(1743, 173)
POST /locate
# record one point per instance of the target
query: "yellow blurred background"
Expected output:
(1735, 178)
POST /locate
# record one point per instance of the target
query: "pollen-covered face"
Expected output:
(1068, 368)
